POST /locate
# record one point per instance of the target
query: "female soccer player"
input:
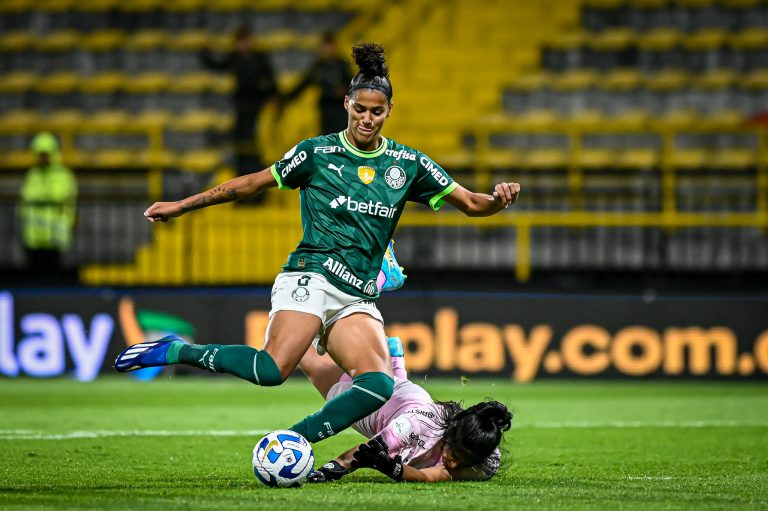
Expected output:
(412, 437)
(354, 185)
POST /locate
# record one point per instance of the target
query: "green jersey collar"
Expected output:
(363, 154)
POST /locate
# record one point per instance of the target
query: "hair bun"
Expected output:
(369, 57)
(496, 413)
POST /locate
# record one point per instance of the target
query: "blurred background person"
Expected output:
(330, 72)
(48, 206)
(255, 85)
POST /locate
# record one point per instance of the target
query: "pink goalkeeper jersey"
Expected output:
(409, 423)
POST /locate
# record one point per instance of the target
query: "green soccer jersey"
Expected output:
(351, 201)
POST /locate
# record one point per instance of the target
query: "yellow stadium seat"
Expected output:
(612, 39)
(696, 3)
(147, 83)
(16, 41)
(152, 118)
(667, 80)
(620, 80)
(677, 119)
(707, 39)
(647, 4)
(536, 119)
(181, 6)
(109, 121)
(629, 120)
(63, 120)
(603, 4)
(740, 4)
(500, 158)
(203, 160)
(17, 82)
(141, 5)
(59, 83)
(59, 41)
(103, 40)
(567, 40)
(117, 158)
(750, 39)
(587, 119)
(19, 121)
(195, 120)
(146, 40)
(15, 6)
(756, 80)
(637, 158)
(191, 83)
(578, 79)
(733, 159)
(17, 159)
(659, 39)
(102, 83)
(595, 158)
(222, 84)
(690, 158)
(189, 41)
(98, 5)
(545, 158)
(722, 120)
(715, 80)
(55, 6)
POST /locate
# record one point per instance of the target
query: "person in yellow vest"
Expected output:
(48, 206)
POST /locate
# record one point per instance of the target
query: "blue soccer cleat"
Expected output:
(392, 271)
(145, 354)
(395, 347)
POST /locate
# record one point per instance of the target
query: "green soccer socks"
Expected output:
(242, 361)
(368, 392)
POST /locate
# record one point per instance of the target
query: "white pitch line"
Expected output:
(27, 434)
(638, 424)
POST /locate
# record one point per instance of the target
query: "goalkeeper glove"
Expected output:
(375, 455)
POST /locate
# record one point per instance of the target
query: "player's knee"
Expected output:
(379, 385)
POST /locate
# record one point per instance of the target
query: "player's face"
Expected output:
(367, 111)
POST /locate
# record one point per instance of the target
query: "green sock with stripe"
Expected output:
(244, 362)
(368, 392)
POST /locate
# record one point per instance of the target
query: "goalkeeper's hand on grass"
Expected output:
(375, 455)
(331, 471)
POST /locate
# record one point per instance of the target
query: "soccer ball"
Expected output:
(283, 458)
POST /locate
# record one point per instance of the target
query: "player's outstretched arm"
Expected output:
(482, 204)
(232, 190)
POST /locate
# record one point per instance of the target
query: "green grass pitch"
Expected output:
(185, 443)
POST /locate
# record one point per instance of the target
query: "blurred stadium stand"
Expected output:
(636, 127)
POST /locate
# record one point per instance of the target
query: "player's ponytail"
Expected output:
(373, 73)
(473, 434)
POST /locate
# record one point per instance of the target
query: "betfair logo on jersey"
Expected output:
(366, 174)
(434, 170)
(367, 208)
(295, 162)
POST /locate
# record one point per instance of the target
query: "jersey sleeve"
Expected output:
(295, 169)
(397, 434)
(432, 183)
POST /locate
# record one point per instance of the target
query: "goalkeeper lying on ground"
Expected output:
(412, 437)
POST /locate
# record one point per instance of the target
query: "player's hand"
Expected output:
(162, 211)
(375, 455)
(331, 471)
(506, 193)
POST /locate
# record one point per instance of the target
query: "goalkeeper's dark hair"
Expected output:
(474, 433)
(374, 73)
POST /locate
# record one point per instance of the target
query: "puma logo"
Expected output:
(334, 167)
